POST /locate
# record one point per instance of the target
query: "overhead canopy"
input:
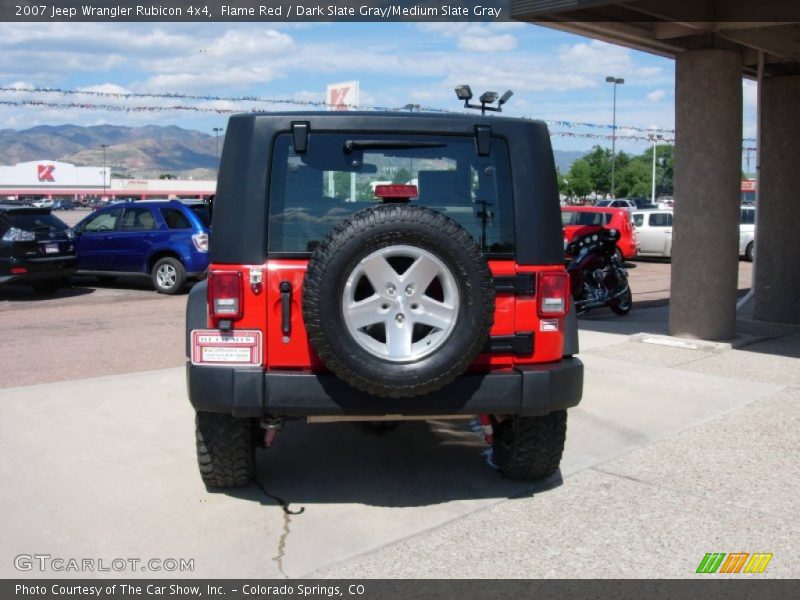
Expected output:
(669, 27)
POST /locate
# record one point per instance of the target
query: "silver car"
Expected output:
(654, 230)
(747, 232)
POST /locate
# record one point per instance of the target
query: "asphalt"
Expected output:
(673, 453)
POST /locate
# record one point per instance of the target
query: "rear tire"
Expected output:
(530, 448)
(362, 358)
(225, 449)
(169, 276)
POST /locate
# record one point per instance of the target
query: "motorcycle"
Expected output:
(597, 276)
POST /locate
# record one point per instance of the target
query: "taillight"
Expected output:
(200, 241)
(225, 294)
(553, 293)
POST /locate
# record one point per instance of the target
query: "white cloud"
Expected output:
(105, 88)
(476, 37)
(750, 93)
(487, 43)
(656, 95)
(648, 72)
(596, 59)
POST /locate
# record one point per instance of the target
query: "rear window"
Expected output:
(660, 220)
(137, 219)
(748, 217)
(35, 222)
(175, 219)
(311, 192)
(574, 217)
(203, 213)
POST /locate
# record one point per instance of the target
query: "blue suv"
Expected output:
(164, 239)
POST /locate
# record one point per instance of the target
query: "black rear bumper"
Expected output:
(250, 392)
(37, 270)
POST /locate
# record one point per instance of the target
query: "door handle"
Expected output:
(286, 309)
(668, 231)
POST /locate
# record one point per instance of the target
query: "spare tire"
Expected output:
(398, 300)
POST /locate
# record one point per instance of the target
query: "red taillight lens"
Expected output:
(553, 294)
(225, 295)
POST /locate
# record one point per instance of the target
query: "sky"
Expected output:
(554, 75)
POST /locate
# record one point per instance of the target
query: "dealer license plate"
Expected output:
(226, 348)
(51, 249)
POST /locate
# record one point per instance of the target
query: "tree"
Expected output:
(634, 179)
(599, 161)
(580, 178)
(166, 176)
(563, 183)
(401, 176)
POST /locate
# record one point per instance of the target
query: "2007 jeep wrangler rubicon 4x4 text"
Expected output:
(375, 265)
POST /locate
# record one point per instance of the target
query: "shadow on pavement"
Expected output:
(19, 293)
(416, 464)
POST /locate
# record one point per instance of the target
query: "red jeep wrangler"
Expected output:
(370, 266)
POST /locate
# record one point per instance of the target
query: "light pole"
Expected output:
(217, 131)
(615, 81)
(654, 137)
(104, 146)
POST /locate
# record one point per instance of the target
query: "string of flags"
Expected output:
(559, 128)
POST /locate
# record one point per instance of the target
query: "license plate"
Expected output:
(226, 348)
(51, 248)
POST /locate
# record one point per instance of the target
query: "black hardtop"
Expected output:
(21, 209)
(240, 208)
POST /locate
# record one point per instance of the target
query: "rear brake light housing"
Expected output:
(553, 294)
(225, 295)
(200, 241)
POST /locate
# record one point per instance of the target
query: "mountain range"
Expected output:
(137, 152)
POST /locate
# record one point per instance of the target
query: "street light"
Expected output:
(104, 146)
(615, 81)
(464, 92)
(654, 137)
(217, 131)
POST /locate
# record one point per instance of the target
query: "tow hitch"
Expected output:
(271, 428)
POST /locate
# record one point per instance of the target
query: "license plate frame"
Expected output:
(216, 348)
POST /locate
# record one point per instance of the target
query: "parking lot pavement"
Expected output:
(664, 462)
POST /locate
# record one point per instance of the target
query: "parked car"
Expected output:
(412, 300)
(580, 220)
(163, 239)
(36, 249)
(654, 230)
(617, 203)
(63, 205)
(747, 232)
(43, 203)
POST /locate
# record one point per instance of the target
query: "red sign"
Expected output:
(45, 172)
(338, 98)
(748, 185)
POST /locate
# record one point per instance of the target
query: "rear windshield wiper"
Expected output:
(351, 145)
